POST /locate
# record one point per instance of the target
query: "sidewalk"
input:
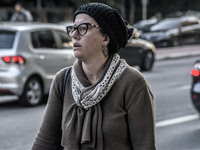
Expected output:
(178, 52)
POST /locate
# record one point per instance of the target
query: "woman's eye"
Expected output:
(83, 28)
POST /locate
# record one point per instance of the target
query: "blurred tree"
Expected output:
(125, 7)
(128, 10)
(131, 10)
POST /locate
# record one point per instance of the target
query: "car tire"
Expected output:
(148, 61)
(164, 44)
(175, 42)
(33, 92)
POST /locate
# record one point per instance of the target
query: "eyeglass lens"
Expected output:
(82, 29)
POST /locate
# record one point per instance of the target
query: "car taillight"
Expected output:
(194, 96)
(195, 72)
(14, 59)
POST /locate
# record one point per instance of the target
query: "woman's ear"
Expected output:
(106, 40)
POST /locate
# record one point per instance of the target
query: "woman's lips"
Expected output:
(76, 45)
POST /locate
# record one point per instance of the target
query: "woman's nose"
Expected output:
(75, 34)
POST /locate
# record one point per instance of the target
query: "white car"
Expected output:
(30, 56)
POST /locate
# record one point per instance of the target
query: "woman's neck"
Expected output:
(94, 69)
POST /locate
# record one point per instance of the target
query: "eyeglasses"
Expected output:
(81, 28)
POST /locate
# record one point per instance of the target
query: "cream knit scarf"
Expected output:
(89, 98)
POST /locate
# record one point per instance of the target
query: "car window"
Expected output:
(43, 39)
(145, 24)
(6, 39)
(169, 23)
(184, 24)
(189, 26)
(64, 42)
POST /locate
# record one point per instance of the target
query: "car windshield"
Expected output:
(6, 39)
(145, 24)
(169, 23)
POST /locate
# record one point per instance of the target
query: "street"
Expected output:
(177, 123)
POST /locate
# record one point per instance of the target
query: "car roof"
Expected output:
(24, 26)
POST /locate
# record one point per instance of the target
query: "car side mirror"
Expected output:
(136, 34)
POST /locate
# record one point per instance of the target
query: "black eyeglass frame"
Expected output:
(77, 28)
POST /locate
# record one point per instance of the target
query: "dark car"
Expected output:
(144, 25)
(174, 31)
(140, 53)
(195, 88)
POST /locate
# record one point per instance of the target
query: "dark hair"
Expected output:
(19, 3)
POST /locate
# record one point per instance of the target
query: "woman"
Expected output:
(107, 104)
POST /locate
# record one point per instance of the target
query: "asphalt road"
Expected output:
(177, 123)
(170, 81)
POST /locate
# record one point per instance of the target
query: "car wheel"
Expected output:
(33, 92)
(175, 42)
(147, 61)
(164, 43)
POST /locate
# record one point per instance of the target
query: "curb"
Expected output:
(177, 52)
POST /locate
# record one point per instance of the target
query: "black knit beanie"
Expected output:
(111, 23)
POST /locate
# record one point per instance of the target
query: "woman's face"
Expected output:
(88, 46)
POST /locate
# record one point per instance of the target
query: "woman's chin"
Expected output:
(78, 55)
